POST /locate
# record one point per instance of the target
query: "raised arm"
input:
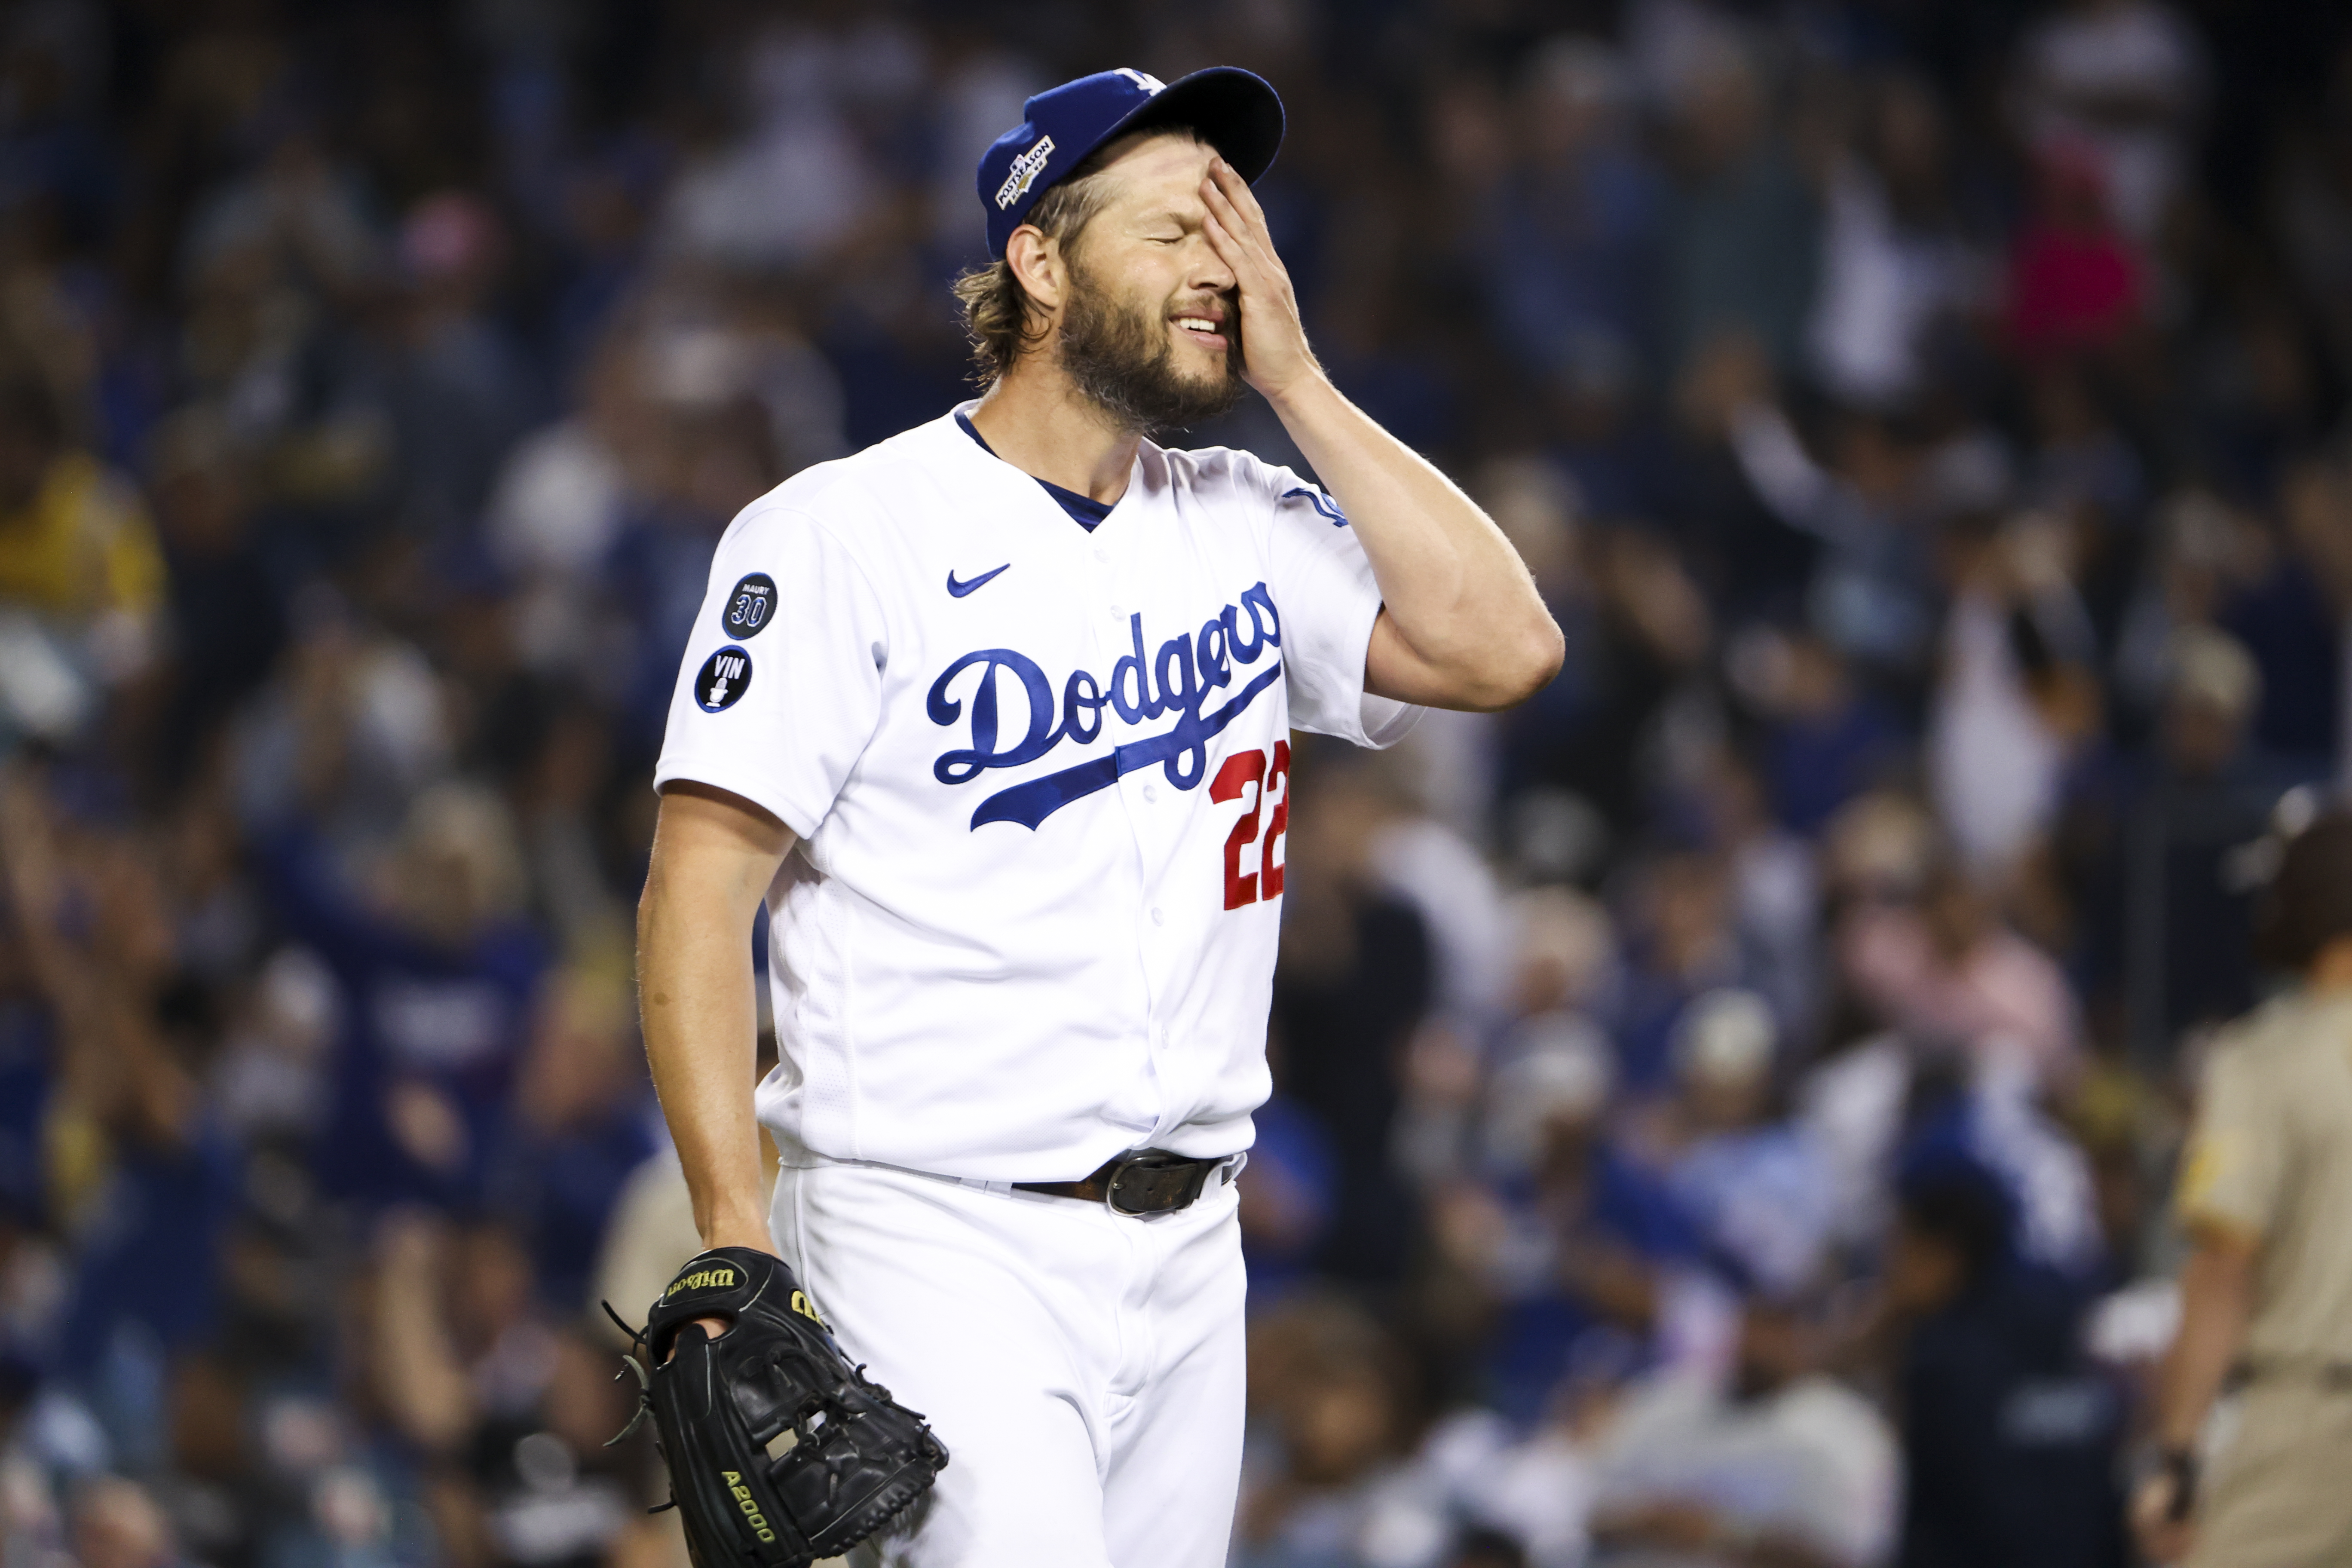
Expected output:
(714, 856)
(1462, 624)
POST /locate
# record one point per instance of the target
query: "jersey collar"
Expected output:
(975, 450)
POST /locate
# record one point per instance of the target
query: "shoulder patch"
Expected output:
(1321, 501)
(723, 678)
(2211, 1156)
(749, 605)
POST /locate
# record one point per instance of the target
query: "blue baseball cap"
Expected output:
(1235, 111)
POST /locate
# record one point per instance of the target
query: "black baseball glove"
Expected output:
(846, 1458)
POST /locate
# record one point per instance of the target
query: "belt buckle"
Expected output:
(1139, 1158)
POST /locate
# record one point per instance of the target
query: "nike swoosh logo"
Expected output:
(958, 589)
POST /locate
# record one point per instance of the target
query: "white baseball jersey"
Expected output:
(1040, 779)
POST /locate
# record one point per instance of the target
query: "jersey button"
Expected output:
(1120, 610)
(1101, 555)
(1151, 793)
(1157, 918)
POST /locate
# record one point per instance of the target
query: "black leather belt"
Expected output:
(1139, 1182)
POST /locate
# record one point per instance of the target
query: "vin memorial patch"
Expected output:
(724, 678)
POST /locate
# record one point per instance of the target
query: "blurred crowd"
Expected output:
(1725, 1108)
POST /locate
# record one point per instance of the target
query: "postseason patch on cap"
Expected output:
(724, 678)
(1025, 170)
(749, 605)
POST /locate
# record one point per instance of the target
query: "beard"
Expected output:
(1121, 359)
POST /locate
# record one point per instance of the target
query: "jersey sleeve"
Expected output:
(2235, 1164)
(1324, 591)
(781, 687)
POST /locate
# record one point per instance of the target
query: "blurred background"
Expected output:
(1727, 1106)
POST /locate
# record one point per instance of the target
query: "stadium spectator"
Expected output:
(1753, 1184)
(1569, 1243)
(1776, 1463)
(2010, 1439)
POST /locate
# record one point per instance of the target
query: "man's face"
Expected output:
(1150, 331)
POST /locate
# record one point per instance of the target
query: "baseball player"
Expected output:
(2266, 1290)
(994, 716)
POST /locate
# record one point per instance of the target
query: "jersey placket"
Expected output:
(1183, 881)
(1123, 557)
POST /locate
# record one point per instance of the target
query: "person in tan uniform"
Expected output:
(2266, 1198)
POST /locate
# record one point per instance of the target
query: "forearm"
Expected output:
(696, 995)
(1458, 597)
(2216, 1300)
(1462, 624)
(420, 1375)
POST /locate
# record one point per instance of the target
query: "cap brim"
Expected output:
(1235, 111)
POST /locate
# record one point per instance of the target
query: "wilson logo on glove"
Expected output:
(858, 1459)
(707, 1279)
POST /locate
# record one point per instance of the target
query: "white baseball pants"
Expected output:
(1083, 1369)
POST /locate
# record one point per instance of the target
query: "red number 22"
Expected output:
(1247, 770)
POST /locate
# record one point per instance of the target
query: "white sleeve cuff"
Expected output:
(738, 780)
